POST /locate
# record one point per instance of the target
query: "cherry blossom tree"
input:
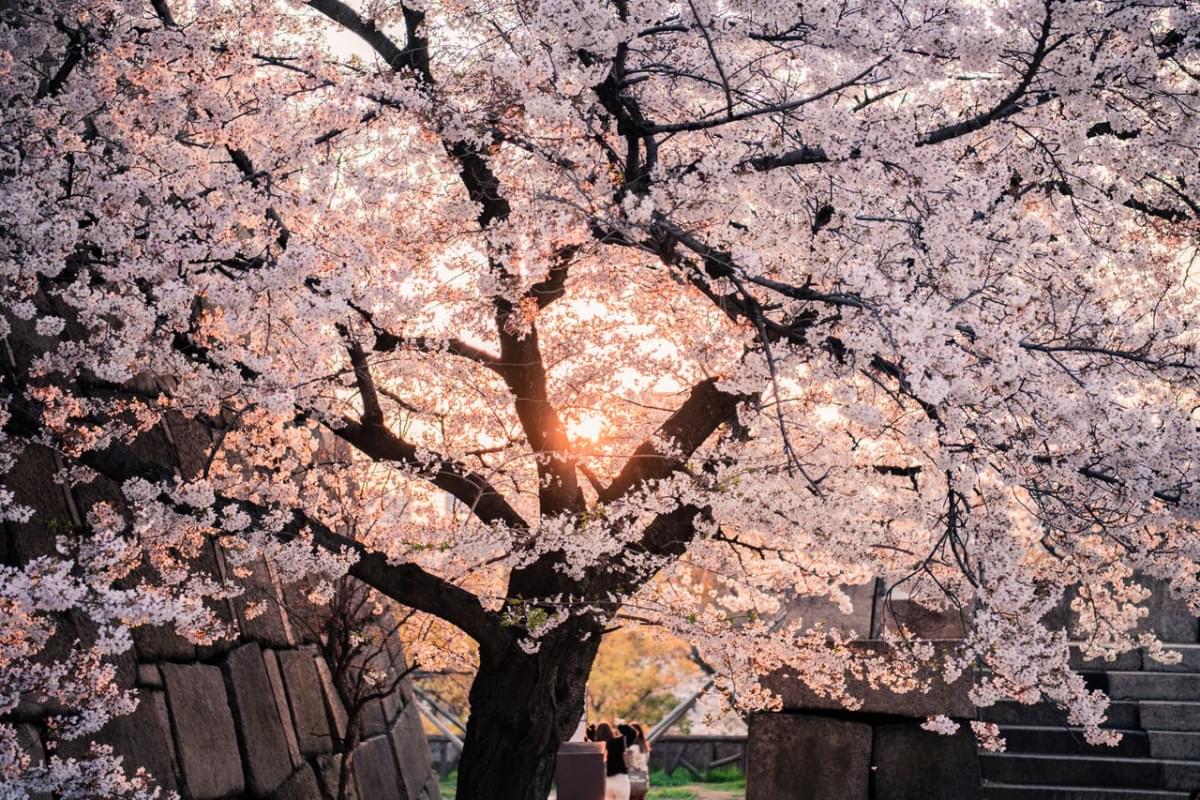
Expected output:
(799, 295)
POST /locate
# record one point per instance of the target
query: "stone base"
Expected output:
(796, 756)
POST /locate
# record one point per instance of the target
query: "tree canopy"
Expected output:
(798, 294)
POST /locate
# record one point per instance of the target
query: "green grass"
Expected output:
(449, 784)
(662, 786)
(724, 779)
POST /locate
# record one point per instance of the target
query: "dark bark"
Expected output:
(522, 707)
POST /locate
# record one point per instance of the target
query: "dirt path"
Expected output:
(713, 794)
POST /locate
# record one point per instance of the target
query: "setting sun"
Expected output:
(587, 427)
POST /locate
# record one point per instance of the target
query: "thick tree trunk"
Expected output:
(522, 707)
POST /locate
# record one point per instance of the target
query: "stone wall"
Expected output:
(255, 716)
(263, 722)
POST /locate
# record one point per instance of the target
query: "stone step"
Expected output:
(1157, 715)
(1120, 715)
(1130, 660)
(1039, 770)
(1175, 745)
(1135, 660)
(1001, 791)
(1069, 741)
(1154, 686)
(1114, 773)
(1189, 659)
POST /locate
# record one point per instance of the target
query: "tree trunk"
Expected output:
(522, 707)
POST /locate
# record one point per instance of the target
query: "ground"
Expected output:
(698, 791)
(733, 789)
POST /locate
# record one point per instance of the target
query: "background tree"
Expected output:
(357, 632)
(802, 295)
(640, 676)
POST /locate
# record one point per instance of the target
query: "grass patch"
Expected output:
(449, 784)
(724, 779)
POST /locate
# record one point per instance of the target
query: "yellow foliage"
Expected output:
(638, 675)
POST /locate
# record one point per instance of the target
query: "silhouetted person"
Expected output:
(617, 785)
(637, 759)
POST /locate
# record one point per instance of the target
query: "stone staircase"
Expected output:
(1157, 709)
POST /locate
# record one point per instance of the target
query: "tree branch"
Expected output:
(554, 285)
(396, 57)
(777, 108)
(468, 487)
(1007, 106)
(706, 408)
(408, 584)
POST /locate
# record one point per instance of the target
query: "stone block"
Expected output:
(941, 698)
(1121, 714)
(303, 684)
(329, 772)
(258, 719)
(1123, 773)
(154, 446)
(1129, 660)
(30, 742)
(919, 621)
(269, 627)
(375, 770)
(1175, 745)
(803, 757)
(372, 719)
(1154, 686)
(1070, 741)
(149, 676)
(1189, 660)
(1169, 618)
(306, 618)
(271, 662)
(74, 626)
(910, 763)
(823, 611)
(333, 701)
(31, 480)
(1045, 793)
(162, 643)
(205, 734)
(412, 751)
(192, 442)
(1061, 617)
(432, 790)
(1181, 775)
(98, 490)
(1168, 716)
(392, 704)
(142, 739)
(302, 785)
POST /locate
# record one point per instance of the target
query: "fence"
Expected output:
(696, 754)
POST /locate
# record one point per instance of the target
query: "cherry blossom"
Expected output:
(545, 317)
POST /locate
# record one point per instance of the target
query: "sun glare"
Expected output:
(587, 426)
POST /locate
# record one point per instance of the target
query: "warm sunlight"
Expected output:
(587, 426)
